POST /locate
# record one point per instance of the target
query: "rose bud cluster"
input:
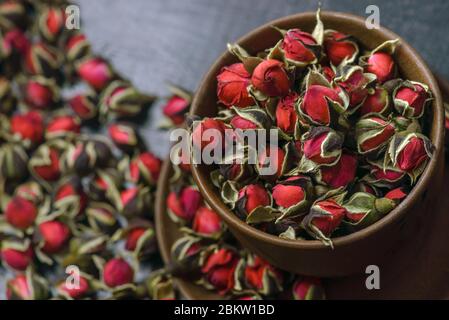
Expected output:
(345, 123)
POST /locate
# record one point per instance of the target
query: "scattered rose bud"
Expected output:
(41, 93)
(270, 78)
(263, 277)
(136, 201)
(77, 47)
(55, 235)
(52, 21)
(70, 196)
(124, 136)
(308, 288)
(43, 60)
(117, 272)
(16, 255)
(339, 47)
(84, 106)
(298, 46)
(176, 108)
(219, 268)
(45, 164)
(14, 15)
(185, 204)
(207, 223)
(75, 292)
(145, 167)
(20, 213)
(62, 125)
(28, 126)
(96, 72)
(232, 86)
(13, 162)
(102, 217)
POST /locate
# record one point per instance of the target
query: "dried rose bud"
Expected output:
(339, 46)
(184, 204)
(55, 235)
(328, 73)
(286, 117)
(96, 72)
(13, 15)
(124, 136)
(232, 83)
(271, 79)
(13, 162)
(238, 122)
(45, 164)
(340, 174)
(176, 108)
(41, 93)
(20, 213)
(324, 218)
(28, 126)
(262, 277)
(31, 191)
(299, 46)
(139, 237)
(145, 167)
(372, 134)
(308, 288)
(75, 292)
(206, 222)
(43, 60)
(85, 156)
(62, 125)
(380, 61)
(136, 201)
(397, 194)
(251, 197)
(52, 23)
(267, 160)
(376, 103)
(293, 193)
(203, 128)
(322, 146)
(77, 47)
(364, 209)
(410, 99)
(236, 171)
(410, 153)
(71, 196)
(355, 84)
(121, 100)
(16, 255)
(102, 217)
(7, 98)
(383, 176)
(27, 286)
(186, 251)
(105, 185)
(84, 106)
(14, 45)
(159, 285)
(315, 105)
(219, 268)
(117, 272)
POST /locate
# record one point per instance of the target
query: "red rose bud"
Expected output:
(324, 218)
(355, 83)
(206, 222)
(410, 153)
(40, 93)
(55, 235)
(176, 108)
(322, 145)
(382, 65)
(271, 79)
(71, 195)
(397, 194)
(61, 125)
(238, 122)
(262, 277)
(200, 129)
(292, 192)
(376, 103)
(124, 136)
(102, 217)
(75, 292)
(315, 105)
(96, 72)
(372, 134)
(328, 73)
(17, 256)
(15, 42)
(133, 237)
(232, 83)
(251, 197)
(297, 46)
(340, 174)
(185, 204)
(19, 288)
(51, 23)
(84, 106)
(410, 99)
(45, 164)
(13, 162)
(268, 159)
(286, 117)
(77, 47)
(339, 47)
(31, 191)
(43, 60)
(145, 167)
(383, 176)
(308, 288)
(28, 126)
(117, 272)
(219, 269)
(136, 201)
(20, 213)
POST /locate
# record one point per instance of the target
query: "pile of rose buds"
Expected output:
(209, 255)
(75, 208)
(352, 138)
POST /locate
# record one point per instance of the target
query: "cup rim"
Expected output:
(397, 213)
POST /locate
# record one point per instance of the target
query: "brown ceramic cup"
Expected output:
(372, 245)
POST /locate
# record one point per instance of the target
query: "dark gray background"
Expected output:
(155, 41)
